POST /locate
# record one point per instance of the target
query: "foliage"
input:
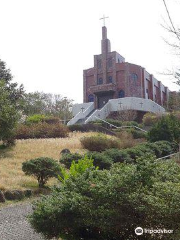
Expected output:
(8, 116)
(105, 159)
(15, 92)
(41, 168)
(101, 160)
(126, 115)
(118, 156)
(91, 127)
(174, 101)
(114, 122)
(10, 96)
(99, 142)
(68, 158)
(168, 128)
(149, 119)
(36, 118)
(138, 134)
(47, 104)
(41, 130)
(76, 168)
(110, 204)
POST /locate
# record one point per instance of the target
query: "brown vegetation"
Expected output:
(11, 174)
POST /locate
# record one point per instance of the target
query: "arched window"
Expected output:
(100, 81)
(91, 98)
(134, 77)
(121, 94)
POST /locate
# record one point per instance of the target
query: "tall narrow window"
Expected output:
(134, 77)
(100, 81)
(110, 80)
(121, 94)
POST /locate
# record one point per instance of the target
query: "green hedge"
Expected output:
(105, 159)
(109, 205)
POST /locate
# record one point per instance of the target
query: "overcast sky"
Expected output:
(48, 43)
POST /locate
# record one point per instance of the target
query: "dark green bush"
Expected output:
(130, 123)
(110, 204)
(41, 130)
(138, 134)
(167, 129)
(101, 160)
(41, 168)
(99, 143)
(118, 155)
(68, 158)
(165, 147)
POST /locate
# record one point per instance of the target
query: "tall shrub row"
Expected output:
(105, 159)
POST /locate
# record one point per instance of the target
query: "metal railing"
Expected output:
(112, 125)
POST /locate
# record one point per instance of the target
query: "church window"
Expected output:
(110, 62)
(134, 77)
(91, 98)
(99, 64)
(118, 60)
(100, 81)
(110, 79)
(121, 94)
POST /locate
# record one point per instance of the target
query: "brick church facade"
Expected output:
(112, 78)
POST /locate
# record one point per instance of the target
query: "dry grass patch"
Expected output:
(11, 174)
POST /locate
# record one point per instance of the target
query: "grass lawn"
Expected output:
(11, 174)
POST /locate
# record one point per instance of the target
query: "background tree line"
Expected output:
(16, 104)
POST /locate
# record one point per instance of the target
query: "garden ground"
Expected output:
(11, 174)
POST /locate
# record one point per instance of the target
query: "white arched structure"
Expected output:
(85, 113)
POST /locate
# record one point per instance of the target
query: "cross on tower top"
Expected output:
(104, 18)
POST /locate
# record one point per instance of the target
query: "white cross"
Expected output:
(103, 18)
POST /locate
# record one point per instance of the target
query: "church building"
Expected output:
(112, 77)
(113, 85)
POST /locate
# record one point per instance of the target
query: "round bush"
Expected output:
(41, 168)
(101, 160)
(99, 143)
(118, 155)
(68, 158)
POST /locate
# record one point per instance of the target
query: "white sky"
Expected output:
(48, 43)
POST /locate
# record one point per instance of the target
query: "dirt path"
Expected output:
(14, 225)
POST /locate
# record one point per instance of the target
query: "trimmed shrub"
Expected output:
(138, 134)
(68, 158)
(118, 155)
(41, 130)
(41, 168)
(76, 168)
(36, 118)
(168, 129)
(101, 160)
(106, 205)
(99, 143)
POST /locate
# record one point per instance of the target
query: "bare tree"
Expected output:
(126, 115)
(175, 32)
